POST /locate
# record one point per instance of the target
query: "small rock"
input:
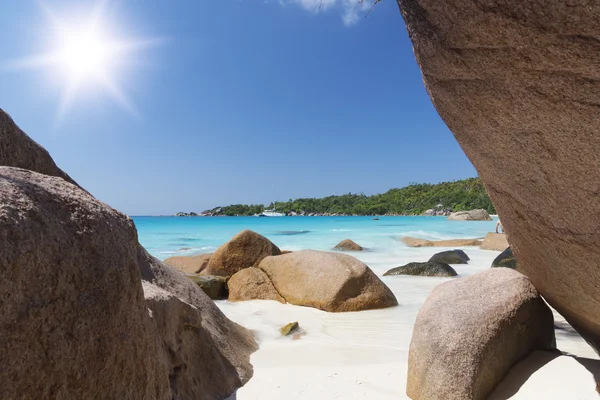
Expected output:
(494, 241)
(506, 259)
(189, 264)
(472, 215)
(214, 286)
(416, 242)
(289, 328)
(375, 219)
(252, 284)
(450, 257)
(348, 245)
(423, 269)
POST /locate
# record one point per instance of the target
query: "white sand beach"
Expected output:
(364, 355)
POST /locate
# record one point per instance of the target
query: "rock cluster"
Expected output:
(77, 321)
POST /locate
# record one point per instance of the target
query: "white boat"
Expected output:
(271, 213)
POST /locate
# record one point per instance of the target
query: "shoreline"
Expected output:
(360, 354)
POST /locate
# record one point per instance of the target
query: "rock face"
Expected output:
(71, 270)
(494, 241)
(415, 242)
(233, 342)
(471, 331)
(192, 357)
(252, 284)
(348, 245)
(450, 257)
(19, 150)
(472, 215)
(506, 259)
(328, 281)
(430, 268)
(71, 298)
(189, 264)
(215, 287)
(246, 249)
(518, 84)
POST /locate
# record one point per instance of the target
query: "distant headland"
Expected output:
(414, 199)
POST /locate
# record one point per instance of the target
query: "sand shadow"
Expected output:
(520, 373)
(523, 371)
(593, 366)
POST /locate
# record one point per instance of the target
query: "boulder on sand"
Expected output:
(506, 259)
(74, 323)
(252, 284)
(471, 331)
(328, 281)
(472, 215)
(189, 264)
(518, 83)
(348, 245)
(494, 241)
(450, 257)
(246, 249)
(416, 242)
(430, 268)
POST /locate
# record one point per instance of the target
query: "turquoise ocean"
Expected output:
(165, 237)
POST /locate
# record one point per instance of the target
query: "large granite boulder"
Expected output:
(472, 215)
(506, 259)
(197, 368)
(348, 245)
(494, 241)
(246, 249)
(471, 331)
(518, 83)
(71, 253)
(328, 281)
(417, 242)
(450, 257)
(19, 150)
(430, 268)
(252, 284)
(73, 321)
(189, 264)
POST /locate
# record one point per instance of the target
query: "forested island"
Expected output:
(415, 199)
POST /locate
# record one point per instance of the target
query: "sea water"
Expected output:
(340, 355)
(164, 237)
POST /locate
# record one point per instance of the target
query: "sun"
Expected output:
(85, 51)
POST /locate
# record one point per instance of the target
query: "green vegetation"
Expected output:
(414, 199)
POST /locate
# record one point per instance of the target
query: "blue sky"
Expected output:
(234, 102)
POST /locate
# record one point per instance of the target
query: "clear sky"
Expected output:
(229, 101)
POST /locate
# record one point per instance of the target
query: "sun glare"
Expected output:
(85, 54)
(84, 50)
